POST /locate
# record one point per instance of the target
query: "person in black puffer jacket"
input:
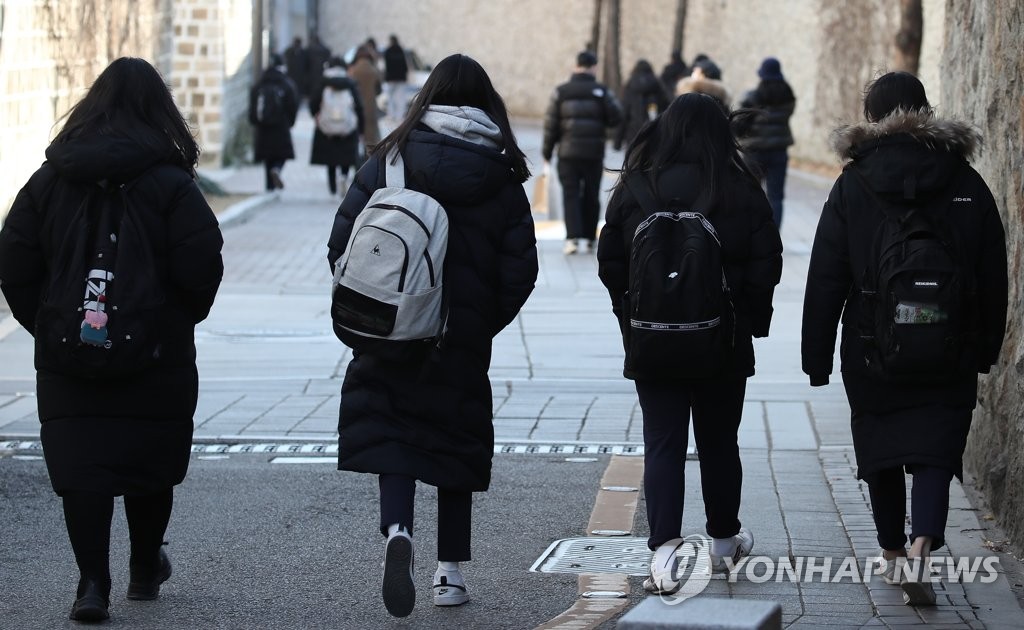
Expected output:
(642, 98)
(106, 436)
(576, 119)
(687, 159)
(335, 152)
(904, 157)
(272, 139)
(766, 139)
(433, 423)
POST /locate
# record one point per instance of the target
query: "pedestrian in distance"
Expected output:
(643, 98)
(674, 70)
(766, 140)
(296, 60)
(338, 111)
(273, 106)
(690, 257)
(705, 78)
(115, 215)
(317, 56)
(577, 116)
(431, 421)
(396, 74)
(364, 72)
(910, 251)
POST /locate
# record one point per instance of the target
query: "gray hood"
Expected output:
(466, 123)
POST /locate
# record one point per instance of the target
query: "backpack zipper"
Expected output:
(423, 226)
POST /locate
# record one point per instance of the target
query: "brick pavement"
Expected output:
(271, 373)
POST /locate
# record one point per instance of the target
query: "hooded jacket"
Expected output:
(274, 142)
(907, 159)
(146, 417)
(641, 92)
(711, 87)
(576, 118)
(433, 422)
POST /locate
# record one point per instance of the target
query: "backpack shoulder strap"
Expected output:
(644, 196)
(394, 174)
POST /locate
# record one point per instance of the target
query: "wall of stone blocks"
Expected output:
(984, 84)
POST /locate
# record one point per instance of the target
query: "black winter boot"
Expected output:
(93, 599)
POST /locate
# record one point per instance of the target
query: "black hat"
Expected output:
(770, 69)
(586, 59)
(710, 69)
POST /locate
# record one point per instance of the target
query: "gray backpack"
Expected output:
(388, 297)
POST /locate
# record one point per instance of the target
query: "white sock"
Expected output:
(394, 527)
(448, 566)
(723, 547)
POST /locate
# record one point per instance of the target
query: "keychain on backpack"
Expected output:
(94, 327)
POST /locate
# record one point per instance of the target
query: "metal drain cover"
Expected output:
(627, 555)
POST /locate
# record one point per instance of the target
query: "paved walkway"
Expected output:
(271, 373)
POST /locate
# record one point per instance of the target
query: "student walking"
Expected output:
(910, 250)
(116, 202)
(432, 421)
(690, 287)
(273, 106)
(576, 119)
(642, 99)
(396, 74)
(765, 142)
(338, 111)
(364, 72)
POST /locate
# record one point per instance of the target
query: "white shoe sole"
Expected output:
(398, 590)
(451, 597)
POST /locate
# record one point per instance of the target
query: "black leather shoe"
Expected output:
(143, 583)
(92, 601)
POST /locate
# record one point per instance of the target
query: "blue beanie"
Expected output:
(770, 69)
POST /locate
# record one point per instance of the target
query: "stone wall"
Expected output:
(984, 84)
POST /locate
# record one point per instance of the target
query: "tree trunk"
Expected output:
(680, 28)
(907, 51)
(595, 28)
(612, 72)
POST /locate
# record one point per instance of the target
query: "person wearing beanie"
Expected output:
(705, 78)
(767, 137)
(577, 116)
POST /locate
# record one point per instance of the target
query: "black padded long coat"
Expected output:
(129, 435)
(434, 424)
(906, 159)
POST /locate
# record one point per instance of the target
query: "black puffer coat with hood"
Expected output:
(128, 435)
(907, 159)
(434, 424)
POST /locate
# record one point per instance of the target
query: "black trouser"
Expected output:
(717, 407)
(772, 164)
(332, 176)
(268, 166)
(88, 516)
(929, 504)
(454, 515)
(581, 202)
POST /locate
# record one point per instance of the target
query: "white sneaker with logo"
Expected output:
(664, 569)
(744, 544)
(449, 588)
(398, 590)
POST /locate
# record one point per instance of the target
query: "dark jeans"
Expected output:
(772, 165)
(454, 515)
(581, 202)
(717, 407)
(929, 504)
(88, 516)
(268, 166)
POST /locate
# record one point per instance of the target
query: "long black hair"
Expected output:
(128, 94)
(892, 91)
(459, 80)
(693, 124)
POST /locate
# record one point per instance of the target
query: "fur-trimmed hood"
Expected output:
(935, 133)
(711, 87)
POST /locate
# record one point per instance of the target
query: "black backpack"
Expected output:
(102, 311)
(270, 104)
(679, 315)
(918, 292)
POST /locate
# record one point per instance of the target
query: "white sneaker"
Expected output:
(664, 569)
(744, 544)
(398, 590)
(570, 247)
(891, 571)
(449, 588)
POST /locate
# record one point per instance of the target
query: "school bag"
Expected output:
(103, 305)
(918, 315)
(270, 104)
(337, 112)
(388, 296)
(678, 311)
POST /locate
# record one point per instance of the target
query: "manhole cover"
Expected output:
(627, 555)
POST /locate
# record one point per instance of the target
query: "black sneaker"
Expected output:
(398, 590)
(92, 601)
(144, 584)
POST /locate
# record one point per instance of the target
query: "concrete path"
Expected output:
(270, 379)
